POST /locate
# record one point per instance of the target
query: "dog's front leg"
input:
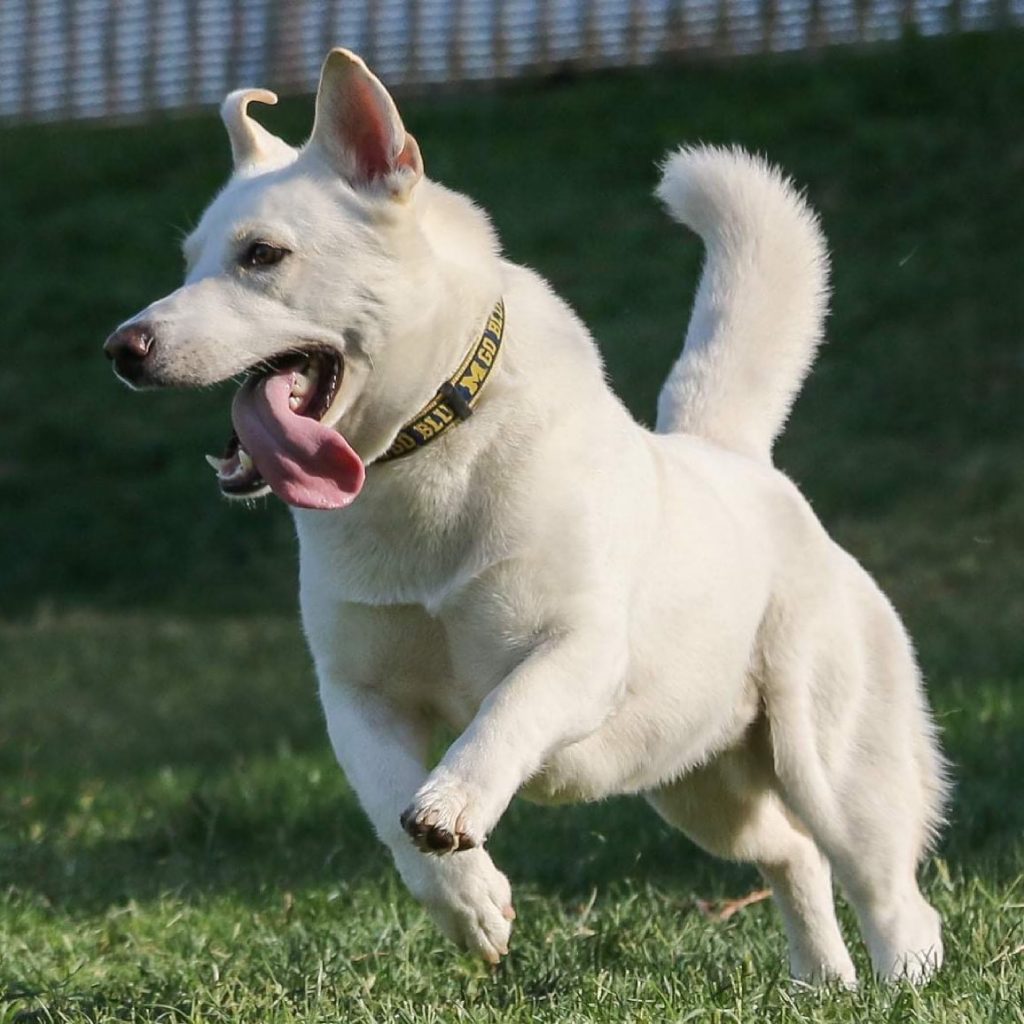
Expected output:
(562, 692)
(382, 753)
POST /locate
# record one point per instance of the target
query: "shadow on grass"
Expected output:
(145, 757)
(261, 825)
(201, 844)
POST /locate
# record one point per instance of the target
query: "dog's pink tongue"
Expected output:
(305, 463)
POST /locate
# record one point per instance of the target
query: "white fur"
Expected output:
(761, 302)
(595, 608)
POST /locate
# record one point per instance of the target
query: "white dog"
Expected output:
(488, 540)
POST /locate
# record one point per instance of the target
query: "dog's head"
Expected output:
(328, 277)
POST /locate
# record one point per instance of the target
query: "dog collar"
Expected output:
(455, 398)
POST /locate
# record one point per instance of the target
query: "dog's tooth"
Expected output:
(307, 379)
(244, 459)
(215, 462)
(303, 382)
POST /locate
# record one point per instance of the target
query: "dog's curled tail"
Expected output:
(760, 307)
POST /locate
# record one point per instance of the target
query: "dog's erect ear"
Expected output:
(253, 148)
(359, 129)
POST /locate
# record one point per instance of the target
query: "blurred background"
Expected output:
(116, 58)
(176, 841)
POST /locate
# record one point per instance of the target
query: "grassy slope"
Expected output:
(175, 841)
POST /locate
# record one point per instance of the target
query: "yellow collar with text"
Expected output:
(456, 397)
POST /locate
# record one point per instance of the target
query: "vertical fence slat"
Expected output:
(111, 78)
(908, 16)
(862, 9)
(325, 31)
(590, 33)
(192, 54)
(66, 103)
(152, 53)
(769, 18)
(676, 38)
(540, 34)
(270, 16)
(499, 41)
(371, 34)
(233, 55)
(722, 44)
(414, 54)
(32, 56)
(285, 68)
(815, 26)
(635, 31)
(456, 58)
(954, 16)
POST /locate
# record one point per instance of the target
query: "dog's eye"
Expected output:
(262, 254)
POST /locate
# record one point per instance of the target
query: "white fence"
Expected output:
(123, 58)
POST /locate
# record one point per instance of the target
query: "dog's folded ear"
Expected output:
(359, 129)
(253, 148)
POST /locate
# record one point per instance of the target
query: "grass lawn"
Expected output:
(176, 842)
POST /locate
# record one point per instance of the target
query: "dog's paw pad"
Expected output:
(433, 831)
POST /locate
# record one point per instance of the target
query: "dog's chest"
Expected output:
(385, 553)
(426, 626)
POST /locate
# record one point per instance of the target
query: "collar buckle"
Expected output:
(455, 401)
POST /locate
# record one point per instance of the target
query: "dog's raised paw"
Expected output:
(432, 836)
(437, 822)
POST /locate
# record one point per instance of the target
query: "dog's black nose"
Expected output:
(129, 347)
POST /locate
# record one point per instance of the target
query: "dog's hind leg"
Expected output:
(855, 753)
(731, 808)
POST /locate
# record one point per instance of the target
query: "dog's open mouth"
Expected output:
(280, 442)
